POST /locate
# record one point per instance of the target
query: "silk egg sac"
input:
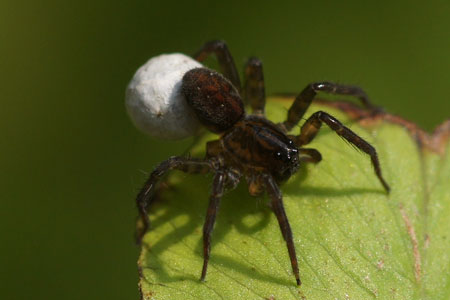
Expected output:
(154, 100)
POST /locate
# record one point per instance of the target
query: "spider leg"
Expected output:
(304, 99)
(145, 196)
(277, 205)
(226, 62)
(254, 92)
(312, 126)
(214, 200)
(309, 155)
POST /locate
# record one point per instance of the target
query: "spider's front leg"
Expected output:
(312, 125)
(226, 62)
(145, 196)
(304, 99)
(278, 208)
(214, 201)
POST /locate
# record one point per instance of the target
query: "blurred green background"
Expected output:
(71, 161)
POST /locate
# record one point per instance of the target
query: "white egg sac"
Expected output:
(154, 100)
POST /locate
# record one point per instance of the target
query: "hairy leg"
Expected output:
(226, 62)
(304, 99)
(254, 92)
(145, 196)
(278, 208)
(312, 125)
(214, 200)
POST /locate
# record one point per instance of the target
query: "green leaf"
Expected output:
(353, 241)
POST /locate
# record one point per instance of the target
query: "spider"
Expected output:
(249, 145)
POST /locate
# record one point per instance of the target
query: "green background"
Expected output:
(71, 161)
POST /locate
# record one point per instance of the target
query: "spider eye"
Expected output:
(282, 156)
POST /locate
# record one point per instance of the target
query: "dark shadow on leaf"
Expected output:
(331, 192)
(235, 265)
(296, 187)
(235, 207)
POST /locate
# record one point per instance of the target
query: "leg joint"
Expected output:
(324, 86)
(217, 44)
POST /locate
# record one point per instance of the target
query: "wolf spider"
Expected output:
(250, 145)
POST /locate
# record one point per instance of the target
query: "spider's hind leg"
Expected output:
(254, 91)
(226, 62)
(145, 196)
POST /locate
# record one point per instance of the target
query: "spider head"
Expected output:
(270, 147)
(256, 143)
(285, 161)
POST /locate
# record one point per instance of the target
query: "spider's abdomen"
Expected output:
(258, 144)
(214, 99)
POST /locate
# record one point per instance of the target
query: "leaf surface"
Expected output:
(353, 241)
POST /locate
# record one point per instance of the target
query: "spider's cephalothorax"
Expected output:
(250, 145)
